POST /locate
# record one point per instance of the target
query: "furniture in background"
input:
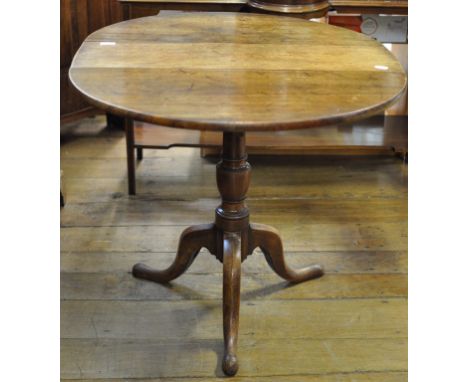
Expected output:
(138, 8)
(377, 135)
(62, 191)
(255, 80)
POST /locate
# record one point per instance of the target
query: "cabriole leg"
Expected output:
(231, 300)
(269, 241)
(190, 243)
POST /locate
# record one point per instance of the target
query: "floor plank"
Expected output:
(307, 237)
(331, 377)
(152, 188)
(123, 358)
(141, 212)
(122, 286)
(202, 319)
(263, 168)
(334, 262)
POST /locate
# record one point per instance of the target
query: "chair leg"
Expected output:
(139, 151)
(130, 141)
(62, 190)
(115, 122)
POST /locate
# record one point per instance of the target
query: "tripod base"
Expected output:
(231, 248)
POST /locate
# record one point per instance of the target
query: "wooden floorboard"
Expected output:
(88, 190)
(202, 319)
(123, 358)
(275, 211)
(333, 236)
(122, 286)
(349, 214)
(330, 377)
(343, 262)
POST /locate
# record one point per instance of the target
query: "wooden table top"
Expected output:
(236, 72)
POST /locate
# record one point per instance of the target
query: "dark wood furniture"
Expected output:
(234, 73)
(137, 8)
(306, 9)
(388, 7)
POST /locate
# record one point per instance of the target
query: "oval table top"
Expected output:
(235, 72)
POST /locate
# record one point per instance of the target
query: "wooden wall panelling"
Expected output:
(79, 18)
(152, 7)
(70, 100)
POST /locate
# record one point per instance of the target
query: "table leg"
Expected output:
(190, 243)
(139, 151)
(231, 239)
(130, 142)
(269, 241)
(115, 122)
(231, 300)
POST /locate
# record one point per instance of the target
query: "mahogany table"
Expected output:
(234, 73)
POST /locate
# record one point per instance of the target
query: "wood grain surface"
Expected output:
(236, 72)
